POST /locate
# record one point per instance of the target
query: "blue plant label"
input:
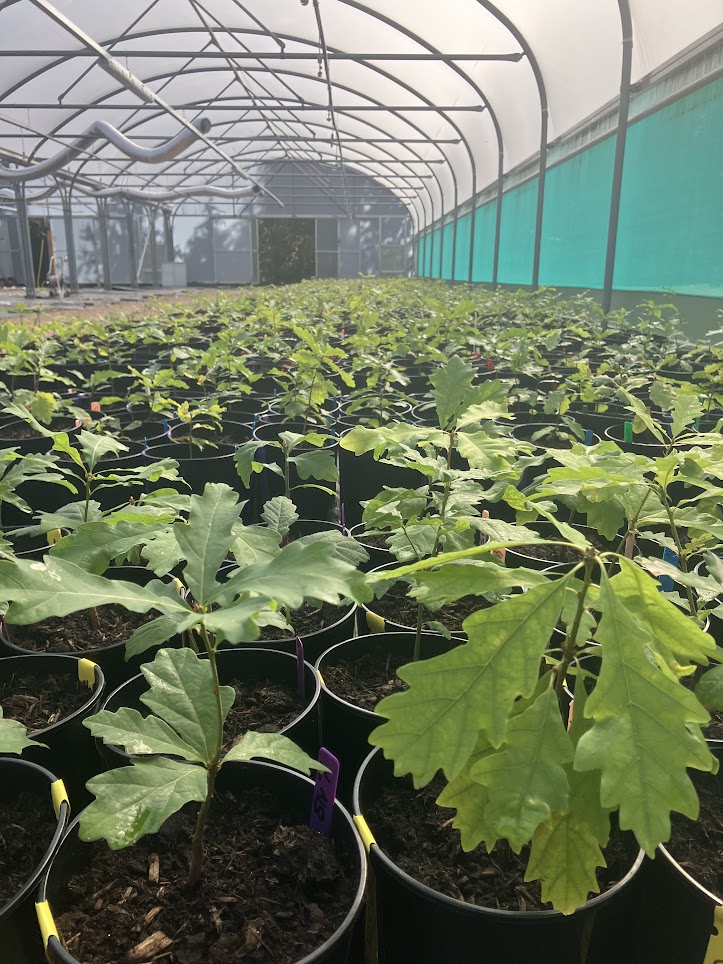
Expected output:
(322, 801)
(667, 584)
(588, 436)
(300, 669)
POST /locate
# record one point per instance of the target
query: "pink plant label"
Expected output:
(322, 802)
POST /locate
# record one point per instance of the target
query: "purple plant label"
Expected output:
(322, 801)
(588, 436)
(300, 668)
(667, 583)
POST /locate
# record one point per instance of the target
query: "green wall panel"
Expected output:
(670, 235)
(447, 245)
(575, 219)
(517, 234)
(434, 257)
(484, 242)
(461, 254)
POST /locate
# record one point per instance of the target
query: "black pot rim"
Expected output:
(95, 692)
(359, 537)
(556, 425)
(348, 613)
(691, 883)
(332, 443)
(460, 906)
(62, 816)
(147, 453)
(317, 954)
(653, 446)
(376, 637)
(556, 566)
(85, 654)
(400, 627)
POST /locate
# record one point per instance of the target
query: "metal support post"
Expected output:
(70, 243)
(498, 218)
(441, 243)
(168, 235)
(619, 162)
(26, 248)
(152, 214)
(104, 248)
(132, 253)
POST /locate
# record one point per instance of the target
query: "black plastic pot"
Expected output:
(416, 923)
(368, 415)
(240, 662)
(197, 466)
(152, 431)
(546, 530)
(362, 477)
(110, 658)
(597, 422)
(39, 444)
(684, 912)
(345, 728)
(69, 750)
(18, 930)
(524, 432)
(379, 624)
(377, 555)
(643, 443)
(323, 420)
(311, 503)
(234, 431)
(317, 642)
(294, 790)
(249, 409)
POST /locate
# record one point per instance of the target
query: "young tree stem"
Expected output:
(197, 851)
(570, 645)
(681, 557)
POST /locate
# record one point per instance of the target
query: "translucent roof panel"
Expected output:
(423, 95)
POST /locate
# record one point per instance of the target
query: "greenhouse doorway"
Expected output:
(41, 245)
(287, 251)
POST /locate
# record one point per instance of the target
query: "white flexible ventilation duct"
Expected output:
(146, 197)
(30, 198)
(151, 197)
(145, 155)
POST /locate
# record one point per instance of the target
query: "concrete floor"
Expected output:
(14, 304)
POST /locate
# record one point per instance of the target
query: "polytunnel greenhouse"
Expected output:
(361, 459)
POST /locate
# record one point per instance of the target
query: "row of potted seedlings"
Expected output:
(541, 661)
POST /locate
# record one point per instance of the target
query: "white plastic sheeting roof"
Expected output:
(413, 116)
